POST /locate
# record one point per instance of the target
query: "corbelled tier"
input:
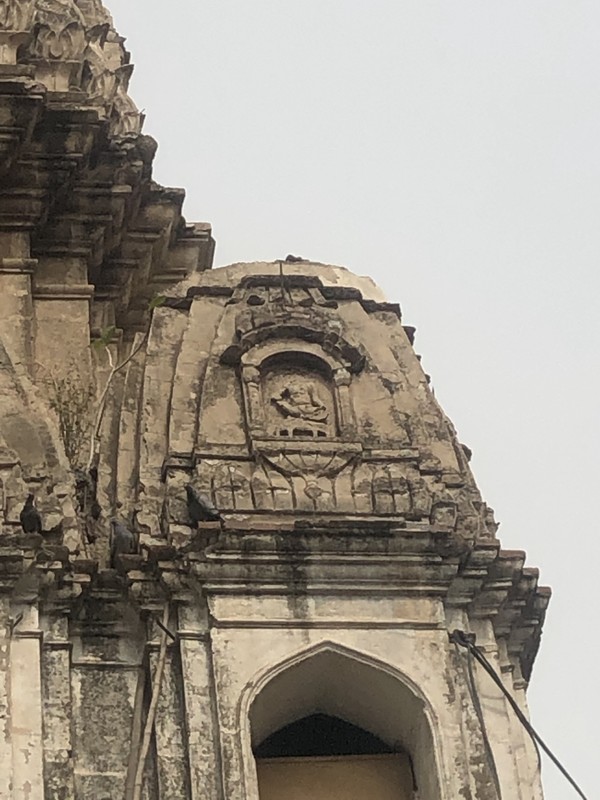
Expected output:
(86, 240)
(252, 452)
(79, 212)
(291, 397)
(71, 48)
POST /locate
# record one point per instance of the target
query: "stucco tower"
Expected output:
(254, 530)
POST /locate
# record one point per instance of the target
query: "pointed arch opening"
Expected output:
(335, 722)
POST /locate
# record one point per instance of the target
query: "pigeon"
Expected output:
(30, 519)
(290, 259)
(199, 507)
(122, 541)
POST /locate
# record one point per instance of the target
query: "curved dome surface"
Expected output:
(330, 275)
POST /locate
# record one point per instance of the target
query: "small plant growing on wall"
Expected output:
(102, 343)
(72, 401)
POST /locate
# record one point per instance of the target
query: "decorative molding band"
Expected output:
(343, 624)
(19, 634)
(63, 292)
(89, 664)
(17, 266)
(193, 636)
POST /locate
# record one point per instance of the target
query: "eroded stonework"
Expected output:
(305, 527)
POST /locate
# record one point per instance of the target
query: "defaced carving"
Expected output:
(16, 15)
(295, 402)
(106, 76)
(94, 11)
(16, 19)
(59, 32)
(99, 80)
(126, 119)
(299, 399)
(231, 488)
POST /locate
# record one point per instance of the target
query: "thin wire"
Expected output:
(472, 686)
(524, 721)
(463, 640)
(163, 627)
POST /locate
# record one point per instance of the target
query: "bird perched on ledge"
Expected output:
(30, 519)
(200, 508)
(122, 541)
(290, 259)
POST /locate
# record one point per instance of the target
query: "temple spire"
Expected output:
(72, 48)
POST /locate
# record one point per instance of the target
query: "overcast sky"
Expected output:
(451, 151)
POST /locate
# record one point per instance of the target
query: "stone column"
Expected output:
(16, 307)
(172, 769)
(57, 722)
(61, 301)
(25, 709)
(5, 747)
(200, 706)
(526, 756)
(496, 714)
(255, 414)
(345, 412)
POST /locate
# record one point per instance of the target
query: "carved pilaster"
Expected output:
(61, 303)
(57, 705)
(26, 709)
(345, 411)
(254, 405)
(5, 746)
(200, 705)
(16, 309)
(172, 771)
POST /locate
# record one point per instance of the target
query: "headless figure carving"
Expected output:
(300, 400)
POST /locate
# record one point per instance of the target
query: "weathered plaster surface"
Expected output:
(350, 536)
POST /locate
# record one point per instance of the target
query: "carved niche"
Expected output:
(297, 360)
(301, 424)
(295, 390)
(59, 31)
(16, 15)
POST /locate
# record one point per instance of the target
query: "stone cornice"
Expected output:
(242, 560)
(87, 195)
(63, 292)
(17, 266)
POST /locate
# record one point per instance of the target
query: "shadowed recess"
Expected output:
(320, 735)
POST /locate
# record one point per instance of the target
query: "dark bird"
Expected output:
(200, 508)
(290, 259)
(122, 541)
(30, 519)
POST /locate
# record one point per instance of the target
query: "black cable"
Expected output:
(472, 686)
(12, 623)
(163, 627)
(466, 641)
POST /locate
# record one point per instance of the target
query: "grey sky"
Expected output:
(450, 150)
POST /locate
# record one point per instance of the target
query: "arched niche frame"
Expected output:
(306, 358)
(331, 679)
